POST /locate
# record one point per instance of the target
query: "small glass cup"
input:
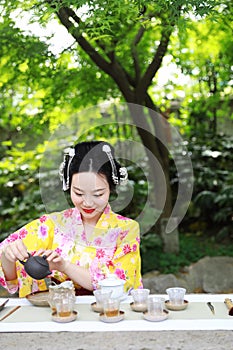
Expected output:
(100, 296)
(155, 306)
(176, 295)
(52, 295)
(111, 307)
(61, 300)
(64, 307)
(140, 297)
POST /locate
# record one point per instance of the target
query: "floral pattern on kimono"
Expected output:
(113, 247)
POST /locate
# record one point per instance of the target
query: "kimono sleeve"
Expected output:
(35, 235)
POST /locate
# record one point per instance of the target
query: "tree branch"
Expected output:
(137, 39)
(155, 64)
(64, 14)
(113, 68)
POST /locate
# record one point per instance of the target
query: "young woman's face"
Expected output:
(90, 194)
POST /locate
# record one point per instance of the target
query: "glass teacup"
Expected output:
(100, 296)
(140, 297)
(64, 305)
(111, 307)
(155, 306)
(62, 298)
(176, 295)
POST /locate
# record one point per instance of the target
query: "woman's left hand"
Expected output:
(56, 262)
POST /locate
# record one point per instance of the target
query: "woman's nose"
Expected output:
(88, 201)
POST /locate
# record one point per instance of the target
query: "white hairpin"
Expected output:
(107, 150)
(123, 175)
(61, 174)
(66, 182)
(71, 152)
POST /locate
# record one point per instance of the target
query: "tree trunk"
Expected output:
(158, 158)
(134, 89)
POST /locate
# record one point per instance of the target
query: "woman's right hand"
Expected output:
(15, 251)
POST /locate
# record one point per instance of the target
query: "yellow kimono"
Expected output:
(112, 248)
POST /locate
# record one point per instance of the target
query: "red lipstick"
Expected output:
(88, 211)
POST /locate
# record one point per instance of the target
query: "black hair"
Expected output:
(89, 156)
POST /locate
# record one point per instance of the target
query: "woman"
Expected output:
(84, 243)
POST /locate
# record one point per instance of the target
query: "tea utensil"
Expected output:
(229, 304)
(211, 307)
(36, 266)
(10, 312)
(3, 304)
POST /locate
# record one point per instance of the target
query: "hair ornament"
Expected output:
(123, 175)
(71, 152)
(68, 157)
(107, 150)
(61, 169)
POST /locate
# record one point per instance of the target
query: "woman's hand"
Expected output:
(15, 251)
(11, 252)
(56, 262)
(78, 274)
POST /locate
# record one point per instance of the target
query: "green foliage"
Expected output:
(192, 249)
(20, 195)
(211, 209)
(38, 90)
(206, 229)
(202, 53)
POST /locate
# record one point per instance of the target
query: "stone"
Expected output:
(159, 283)
(218, 275)
(208, 275)
(127, 340)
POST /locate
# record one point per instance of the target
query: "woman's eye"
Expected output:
(78, 194)
(98, 195)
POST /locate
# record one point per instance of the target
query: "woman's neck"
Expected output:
(88, 228)
(90, 224)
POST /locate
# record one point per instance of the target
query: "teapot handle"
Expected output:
(23, 262)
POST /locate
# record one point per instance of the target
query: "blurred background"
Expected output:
(174, 59)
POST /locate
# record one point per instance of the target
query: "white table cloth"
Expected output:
(197, 316)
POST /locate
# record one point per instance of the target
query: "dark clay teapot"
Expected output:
(36, 266)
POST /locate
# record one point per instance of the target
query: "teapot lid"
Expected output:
(111, 280)
(65, 284)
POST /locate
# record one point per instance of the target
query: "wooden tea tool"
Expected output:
(10, 312)
(211, 307)
(3, 305)
(229, 305)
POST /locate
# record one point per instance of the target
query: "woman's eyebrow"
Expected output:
(77, 188)
(97, 190)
